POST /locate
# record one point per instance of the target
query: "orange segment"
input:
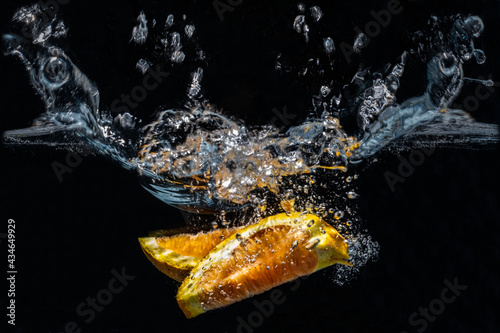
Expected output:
(176, 255)
(278, 249)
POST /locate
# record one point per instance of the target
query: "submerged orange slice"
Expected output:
(176, 255)
(278, 249)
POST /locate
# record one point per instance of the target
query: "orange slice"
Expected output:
(176, 255)
(278, 249)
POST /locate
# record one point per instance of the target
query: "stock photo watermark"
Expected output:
(223, 6)
(417, 157)
(11, 271)
(265, 309)
(72, 161)
(407, 166)
(88, 309)
(420, 319)
(482, 92)
(139, 93)
(282, 117)
(372, 29)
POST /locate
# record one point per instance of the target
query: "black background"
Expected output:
(441, 223)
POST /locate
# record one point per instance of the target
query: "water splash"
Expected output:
(200, 160)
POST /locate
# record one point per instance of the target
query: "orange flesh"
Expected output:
(270, 257)
(195, 245)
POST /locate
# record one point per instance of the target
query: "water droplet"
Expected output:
(55, 72)
(313, 243)
(338, 215)
(360, 42)
(189, 30)
(329, 45)
(143, 66)
(352, 195)
(295, 244)
(215, 225)
(310, 223)
(178, 56)
(175, 40)
(480, 56)
(348, 179)
(301, 7)
(316, 13)
(298, 23)
(140, 31)
(239, 237)
(325, 91)
(169, 21)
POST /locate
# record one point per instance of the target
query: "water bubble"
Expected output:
(169, 21)
(143, 66)
(329, 45)
(177, 56)
(175, 42)
(298, 23)
(480, 56)
(239, 237)
(60, 30)
(352, 195)
(313, 243)
(448, 63)
(310, 223)
(140, 31)
(474, 24)
(316, 13)
(360, 42)
(55, 72)
(301, 7)
(189, 30)
(325, 91)
(338, 215)
(195, 86)
(215, 225)
(295, 244)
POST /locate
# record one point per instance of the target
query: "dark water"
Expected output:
(438, 224)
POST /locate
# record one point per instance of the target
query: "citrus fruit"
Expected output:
(278, 249)
(175, 255)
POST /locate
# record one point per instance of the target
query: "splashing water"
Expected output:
(199, 160)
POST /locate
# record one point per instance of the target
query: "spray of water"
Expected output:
(200, 160)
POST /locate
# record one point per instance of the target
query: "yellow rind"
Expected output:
(172, 264)
(324, 240)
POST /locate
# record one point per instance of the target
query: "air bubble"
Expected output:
(189, 30)
(329, 45)
(55, 72)
(360, 42)
(480, 56)
(325, 91)
(169, 21)
(298, 23)
(177, 56)
(316, 13)
(352, 195)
